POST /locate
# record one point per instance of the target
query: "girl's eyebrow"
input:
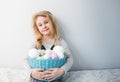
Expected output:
(39, 24)
(46, 20)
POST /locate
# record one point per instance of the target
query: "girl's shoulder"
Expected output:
(62, 42)
(33, 44)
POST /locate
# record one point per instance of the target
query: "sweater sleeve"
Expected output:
(26, 65)
(69, 61)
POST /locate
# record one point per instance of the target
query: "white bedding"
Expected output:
(12, 75)
(107, 75)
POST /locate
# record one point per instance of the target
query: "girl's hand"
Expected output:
(53, 73)
(38, 74)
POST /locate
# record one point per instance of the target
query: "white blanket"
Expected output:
(107, 75)
(12, 75)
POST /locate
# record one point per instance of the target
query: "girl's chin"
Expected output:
(46, 34)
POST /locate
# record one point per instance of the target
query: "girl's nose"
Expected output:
(44, 26)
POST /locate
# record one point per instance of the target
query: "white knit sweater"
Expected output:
(47, 45)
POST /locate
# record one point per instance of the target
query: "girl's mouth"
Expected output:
(45, 29)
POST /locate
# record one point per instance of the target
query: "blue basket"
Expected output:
(46, 63)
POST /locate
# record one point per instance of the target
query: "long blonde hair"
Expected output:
(38, 35)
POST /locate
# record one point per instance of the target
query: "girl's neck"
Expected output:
(47, 38)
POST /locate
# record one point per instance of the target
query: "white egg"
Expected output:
(59, 50)
(33, 53)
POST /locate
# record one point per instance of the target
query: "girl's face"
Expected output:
(44, 25)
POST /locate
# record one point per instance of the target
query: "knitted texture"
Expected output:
(47, 63)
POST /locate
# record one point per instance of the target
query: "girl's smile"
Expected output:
(44, 25)
(46, 29)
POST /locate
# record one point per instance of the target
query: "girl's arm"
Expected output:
(69, 61)
(35, 73)
(25, 61)
(56, 72)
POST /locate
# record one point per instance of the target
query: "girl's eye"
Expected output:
(40, 24)
(46, 22)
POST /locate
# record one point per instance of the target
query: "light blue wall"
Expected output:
(94, 34)
(90, 27)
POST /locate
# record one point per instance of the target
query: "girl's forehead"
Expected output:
(41, 18)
